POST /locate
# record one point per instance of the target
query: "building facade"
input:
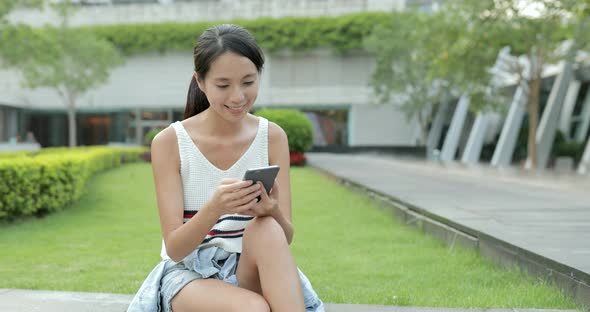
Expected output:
(149, 90)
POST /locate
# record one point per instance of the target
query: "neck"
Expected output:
(215, 124)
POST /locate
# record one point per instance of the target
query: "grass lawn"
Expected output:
(352, 251)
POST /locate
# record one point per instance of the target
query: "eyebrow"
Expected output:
(227, 79)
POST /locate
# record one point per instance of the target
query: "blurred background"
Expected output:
(498, 82)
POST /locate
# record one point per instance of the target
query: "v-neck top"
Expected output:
(200, 179)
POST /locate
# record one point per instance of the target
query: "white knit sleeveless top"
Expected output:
(200, 179)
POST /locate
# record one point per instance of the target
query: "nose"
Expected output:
(237, 96)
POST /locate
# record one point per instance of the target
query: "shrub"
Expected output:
(4, 155)
(298, 128)
(147, 139)
(561, 148)
(340, 33)
(51, 179)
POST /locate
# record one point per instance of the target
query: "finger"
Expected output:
(244, 192)
(263, 194)
(229, 181)
(237, 185)
(248, 206)
(245, 199)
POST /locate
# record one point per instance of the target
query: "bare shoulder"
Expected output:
(165, 147)
(276, 134)
(165, 139)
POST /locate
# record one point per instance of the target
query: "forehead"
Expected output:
(230, 65)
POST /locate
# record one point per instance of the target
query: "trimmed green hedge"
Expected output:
(149, 137)
(341, 33)
(298, 128)
(51, 179)
(6, 155)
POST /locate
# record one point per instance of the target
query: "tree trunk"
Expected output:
(422, 121)
(533, 109)
(72, 133)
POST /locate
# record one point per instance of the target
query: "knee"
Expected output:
(265, 228)
(255, 303)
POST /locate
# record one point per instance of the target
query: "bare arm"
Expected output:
(278, 154)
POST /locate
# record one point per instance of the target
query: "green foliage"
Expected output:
(561, 147)
(403, 71)
(423, 58)
(8, 5)
(342, 33)
(62, 58)
(71, 62)
(15, 39)
(569, 149)
(402, 65)
(148, 137)
(4, 155)
(298, 128)
(49, 180)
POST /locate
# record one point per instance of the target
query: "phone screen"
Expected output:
(266, 175)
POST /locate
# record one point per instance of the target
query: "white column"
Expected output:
(2, 122)
(582, 129)
(12, 123)
(476, 138)
(454, 134)
(138, 127)
(507, 142)
(548, 125)
(584, 166)
(565, 120)
(436, 128)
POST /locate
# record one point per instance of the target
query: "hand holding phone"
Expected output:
(266, 175)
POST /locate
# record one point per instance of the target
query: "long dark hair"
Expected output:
(212, 43)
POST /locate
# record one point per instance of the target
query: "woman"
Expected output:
(223, 250)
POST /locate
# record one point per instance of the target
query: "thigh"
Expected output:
(216, 295)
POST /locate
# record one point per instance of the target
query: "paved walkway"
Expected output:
(541, 221)
(17, 300)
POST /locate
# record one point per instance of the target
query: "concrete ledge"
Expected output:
(571, 281)
(568, 279)
(21, 300)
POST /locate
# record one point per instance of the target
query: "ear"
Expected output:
(200, 82)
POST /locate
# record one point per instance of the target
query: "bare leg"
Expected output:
(267, 267)
(216, 295)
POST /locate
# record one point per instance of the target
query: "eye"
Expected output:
(223, 87)
(248, 83)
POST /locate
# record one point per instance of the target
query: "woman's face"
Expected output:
(231, 85)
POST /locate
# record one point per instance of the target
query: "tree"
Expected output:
(68, 60)
(532, 28)
(402, 72)
(421, 58)
(13, 37)
(6, 6)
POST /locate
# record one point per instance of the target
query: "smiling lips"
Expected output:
(236, 109)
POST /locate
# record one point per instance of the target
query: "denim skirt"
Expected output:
(214, 262)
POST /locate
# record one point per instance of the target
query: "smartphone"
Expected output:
(266, 175)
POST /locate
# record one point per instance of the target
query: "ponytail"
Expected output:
(196, 101)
